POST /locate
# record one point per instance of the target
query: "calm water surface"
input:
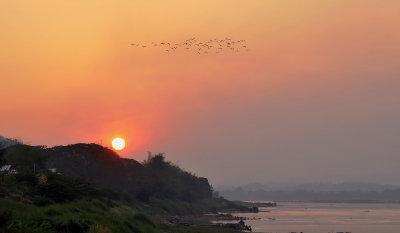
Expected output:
(327, 217)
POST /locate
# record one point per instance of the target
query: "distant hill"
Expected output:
(349, 191)
(344, 186)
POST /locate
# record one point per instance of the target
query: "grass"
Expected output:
(85, 216)
(78, 216)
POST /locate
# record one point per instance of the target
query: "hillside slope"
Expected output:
(155, 183)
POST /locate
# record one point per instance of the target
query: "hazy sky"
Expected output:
(315, 99)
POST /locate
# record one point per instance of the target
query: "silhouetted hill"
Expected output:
(96, 164)
(156, 182)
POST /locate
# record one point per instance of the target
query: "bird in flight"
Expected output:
(200, 47)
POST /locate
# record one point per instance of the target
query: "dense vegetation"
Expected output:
(94, 190)
(153, 179)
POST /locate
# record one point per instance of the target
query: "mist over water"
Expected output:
(310, 217)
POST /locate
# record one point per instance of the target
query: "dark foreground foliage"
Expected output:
(78, 216)
(153, 179)
(85, 215)
(93, 190)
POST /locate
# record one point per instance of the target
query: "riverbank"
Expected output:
(208, 221)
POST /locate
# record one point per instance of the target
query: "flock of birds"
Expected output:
(199, 47)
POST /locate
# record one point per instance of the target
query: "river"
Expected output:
(309, 217)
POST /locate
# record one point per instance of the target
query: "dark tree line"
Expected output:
(164, 180)
(81, 167)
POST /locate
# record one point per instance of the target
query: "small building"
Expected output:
(8, 169)
(5, 168)
(53, 170)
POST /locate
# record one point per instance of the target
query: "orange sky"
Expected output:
(68, 73)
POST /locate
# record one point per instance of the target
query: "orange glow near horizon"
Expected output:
(69, 66)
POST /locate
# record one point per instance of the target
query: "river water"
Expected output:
(326, 217)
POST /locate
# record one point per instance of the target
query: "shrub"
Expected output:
(72, 226)
(25, 157)
(143, 218)
(28, 178)
(5, 216)
(42, 201)
(99, 229)
(57, 190)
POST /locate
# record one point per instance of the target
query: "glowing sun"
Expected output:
(118, 143)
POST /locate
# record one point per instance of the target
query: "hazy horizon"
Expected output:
(315, 99)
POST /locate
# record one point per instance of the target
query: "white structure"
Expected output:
(53, 170)
(5, 168)
(6, 142)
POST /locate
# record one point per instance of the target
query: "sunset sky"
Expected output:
(316, 97)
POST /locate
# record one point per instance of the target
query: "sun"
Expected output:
(118, 143)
